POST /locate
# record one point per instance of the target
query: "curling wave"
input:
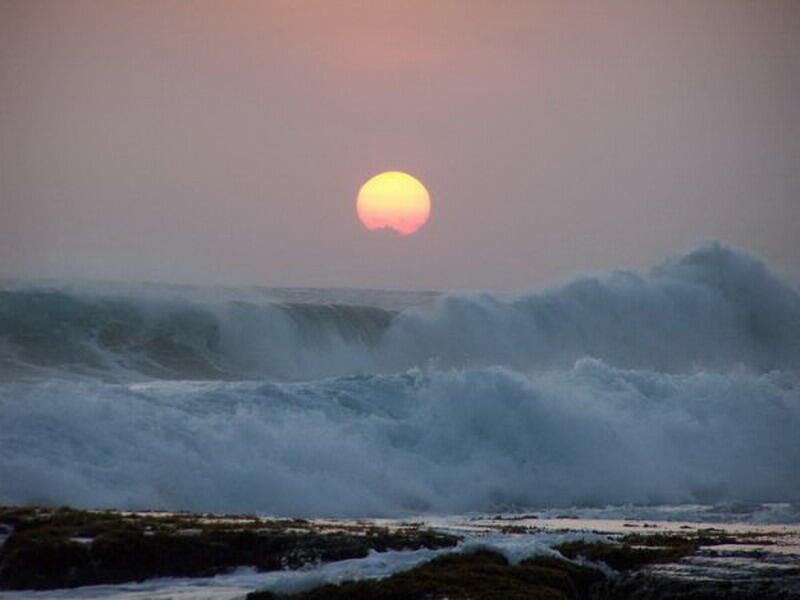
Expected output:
(51, 332)
(677, 385)
(713, 308)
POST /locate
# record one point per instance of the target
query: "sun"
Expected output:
(393, 200)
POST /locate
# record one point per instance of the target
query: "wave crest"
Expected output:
(712, 308)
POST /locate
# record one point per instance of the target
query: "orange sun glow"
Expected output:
(393, 200)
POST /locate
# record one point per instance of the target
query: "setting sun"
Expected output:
(393, 200)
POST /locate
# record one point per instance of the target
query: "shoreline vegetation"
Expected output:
(46, 549)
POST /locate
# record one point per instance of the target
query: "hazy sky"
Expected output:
(225, 141)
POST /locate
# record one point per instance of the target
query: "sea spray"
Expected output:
(677, 385)
(713, 308)
(440, 441)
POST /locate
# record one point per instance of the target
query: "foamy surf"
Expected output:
(714, 308)
(675, 386)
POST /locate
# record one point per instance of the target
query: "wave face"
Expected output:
(50, 332)
(678, 385)
(713, 308)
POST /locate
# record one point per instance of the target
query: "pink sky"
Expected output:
(225, 142)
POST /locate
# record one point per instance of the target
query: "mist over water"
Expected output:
(677, 385)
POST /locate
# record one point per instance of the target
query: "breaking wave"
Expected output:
(437, 441)
(51, 332)
(713, 308)
(677, 385)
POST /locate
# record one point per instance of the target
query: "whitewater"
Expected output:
(678, 385)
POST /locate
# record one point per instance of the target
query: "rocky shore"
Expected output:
(634, 560)
(49, 549)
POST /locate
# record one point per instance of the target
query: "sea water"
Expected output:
(671, 395)
(672, 386)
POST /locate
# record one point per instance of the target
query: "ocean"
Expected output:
(617, 393)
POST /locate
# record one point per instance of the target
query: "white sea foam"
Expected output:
(430, 441)
(713, 308)
(235, 586)
(679, 385)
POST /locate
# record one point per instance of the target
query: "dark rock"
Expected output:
(39, 564)
(40, 553)
(622, 557)
(647, 586)
(484, 575)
